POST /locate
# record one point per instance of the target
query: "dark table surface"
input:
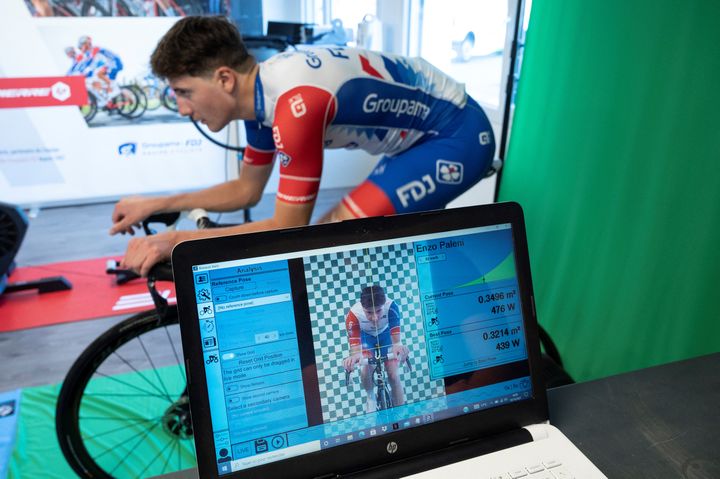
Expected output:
(656, 423)
(660, 422)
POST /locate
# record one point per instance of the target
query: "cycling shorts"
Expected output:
(371, 343)
(432, 172)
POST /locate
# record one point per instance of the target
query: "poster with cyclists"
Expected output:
(117, 95)
(87, 120)
(126, 8)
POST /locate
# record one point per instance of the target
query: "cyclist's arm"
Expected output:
(301, 116)
(394, 323)
(398, 348)
(232, 195)
(352, 326)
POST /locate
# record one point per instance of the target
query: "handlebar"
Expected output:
(372, 360)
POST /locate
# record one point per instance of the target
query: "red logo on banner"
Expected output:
(43, 91)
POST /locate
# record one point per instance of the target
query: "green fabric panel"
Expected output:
(615, 157)
(37, 453)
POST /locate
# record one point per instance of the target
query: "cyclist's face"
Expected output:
(203, 100)
(373, 314)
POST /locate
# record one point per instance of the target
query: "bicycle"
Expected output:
(383, 397)
(130, 102)
(123, 408)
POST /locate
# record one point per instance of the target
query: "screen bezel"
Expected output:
(343, 459)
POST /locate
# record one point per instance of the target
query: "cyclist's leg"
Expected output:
(369, 343)
(392, 369)
(427, 176)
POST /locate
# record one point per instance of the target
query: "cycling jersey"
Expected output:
(98, 58)
(357, 321)
(369, 335)
(436, 140)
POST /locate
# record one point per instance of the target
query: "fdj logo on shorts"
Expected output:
(449, 172)
(416, 190)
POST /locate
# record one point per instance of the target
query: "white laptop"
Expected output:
(268, 319)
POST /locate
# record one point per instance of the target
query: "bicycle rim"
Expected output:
(88, 111)
(112, 410)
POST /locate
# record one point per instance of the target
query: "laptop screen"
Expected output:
(314, 349)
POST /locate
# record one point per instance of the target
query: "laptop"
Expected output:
(446, 381)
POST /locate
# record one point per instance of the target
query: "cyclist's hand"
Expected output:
(144, 252)
(129, 212)
(401, 352)
(351, 361)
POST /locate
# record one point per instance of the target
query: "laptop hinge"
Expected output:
(445, 456)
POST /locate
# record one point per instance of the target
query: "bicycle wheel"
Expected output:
(127, 102)
(142, 101)
(122, 410)
(384, 401)
(88, 111)
(169, 100)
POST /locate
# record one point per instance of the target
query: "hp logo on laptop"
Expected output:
(392, 447)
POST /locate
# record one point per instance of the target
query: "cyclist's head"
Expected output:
(84, 42)
(196, 46)
(372, 297)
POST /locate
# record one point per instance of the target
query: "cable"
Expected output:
(214, 141)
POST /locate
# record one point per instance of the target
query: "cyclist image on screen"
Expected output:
(100, 65)
(435, 141)
(373, 326)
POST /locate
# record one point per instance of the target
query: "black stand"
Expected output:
(44, 285)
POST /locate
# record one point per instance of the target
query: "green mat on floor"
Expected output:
(37, 453)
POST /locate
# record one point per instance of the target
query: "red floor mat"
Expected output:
(94, 295)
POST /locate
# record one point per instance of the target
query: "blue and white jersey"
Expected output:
(335, 97)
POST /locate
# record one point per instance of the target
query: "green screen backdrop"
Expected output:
(614, 155)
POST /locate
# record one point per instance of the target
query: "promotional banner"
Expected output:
(82, 117)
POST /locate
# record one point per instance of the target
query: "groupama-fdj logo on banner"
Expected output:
(127, 149)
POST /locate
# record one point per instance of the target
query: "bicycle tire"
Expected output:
(127, 102)
(142, 101)
(90, 110)
(93, 444)
(384, 400)
(168, 99)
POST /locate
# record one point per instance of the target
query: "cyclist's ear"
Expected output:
(225, 76)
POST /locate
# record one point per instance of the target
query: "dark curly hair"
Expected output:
(196, 46)
(372, 297)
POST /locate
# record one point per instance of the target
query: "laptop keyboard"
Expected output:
(551, 469)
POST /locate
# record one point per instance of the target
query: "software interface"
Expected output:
(276, 331)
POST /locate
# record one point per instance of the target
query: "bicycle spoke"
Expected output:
(177, 357)
(140, 374)
(169, 457)
(132, 448)
(154, 369)
(121, 428)
(140, 474)
(124, 383)
(115, 395)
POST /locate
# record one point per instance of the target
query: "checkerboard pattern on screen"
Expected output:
(334, 282)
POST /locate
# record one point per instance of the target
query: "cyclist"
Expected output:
(100, 63)
(436, 141)
(77, 64)
(373, 324)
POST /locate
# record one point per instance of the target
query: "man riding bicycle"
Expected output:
(100, 63)
(373, 327)
(436, 141)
